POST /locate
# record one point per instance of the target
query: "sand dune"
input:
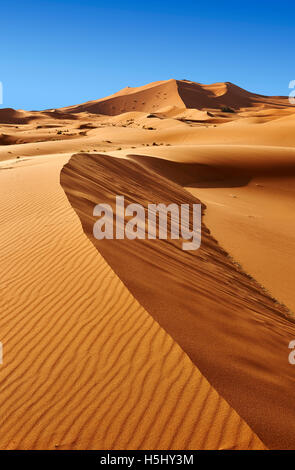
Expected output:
(179, 94)
(12, 116)
(171, 112)
(249, 193)
(6, 139)
(106, 136)
(148, 347)
(85, 365)
(231, 329)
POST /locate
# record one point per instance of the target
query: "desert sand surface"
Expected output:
(86, 367)
(119, 344)
(219, 316)
(250, 198)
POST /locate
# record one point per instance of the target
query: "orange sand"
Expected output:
(187, 352)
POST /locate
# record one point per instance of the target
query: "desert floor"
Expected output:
(120, 344)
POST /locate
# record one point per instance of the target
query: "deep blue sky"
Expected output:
(58, 53)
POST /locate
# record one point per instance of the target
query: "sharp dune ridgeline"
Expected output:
(221, 318)
(137, 344)
(180, 94)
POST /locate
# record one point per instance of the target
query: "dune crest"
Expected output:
(179, 94)
(232, 330)
(85, 366)
(149, 347)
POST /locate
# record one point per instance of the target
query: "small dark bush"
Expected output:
(227, 109)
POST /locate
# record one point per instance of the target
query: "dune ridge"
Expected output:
(249, 193)
(179, 94)
(232, 330)
(85, 366)
(169, 112)
(98, 350)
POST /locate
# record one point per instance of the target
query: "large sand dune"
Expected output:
(229, 327)
(249, 193)
(137, 344)
(180, 94)
(85, 366)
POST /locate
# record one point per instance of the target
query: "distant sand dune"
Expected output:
(6, 139)
(179, 94)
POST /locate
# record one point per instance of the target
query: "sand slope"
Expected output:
(236, 334)
(85, 366)
(249, 193)
(180, 94)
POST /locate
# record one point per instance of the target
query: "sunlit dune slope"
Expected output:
(94, 362)
(85, 366)
(232, 330)
(179, 94)
(171, 112)
(250, 196)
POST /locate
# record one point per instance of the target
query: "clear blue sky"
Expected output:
(58, 53)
